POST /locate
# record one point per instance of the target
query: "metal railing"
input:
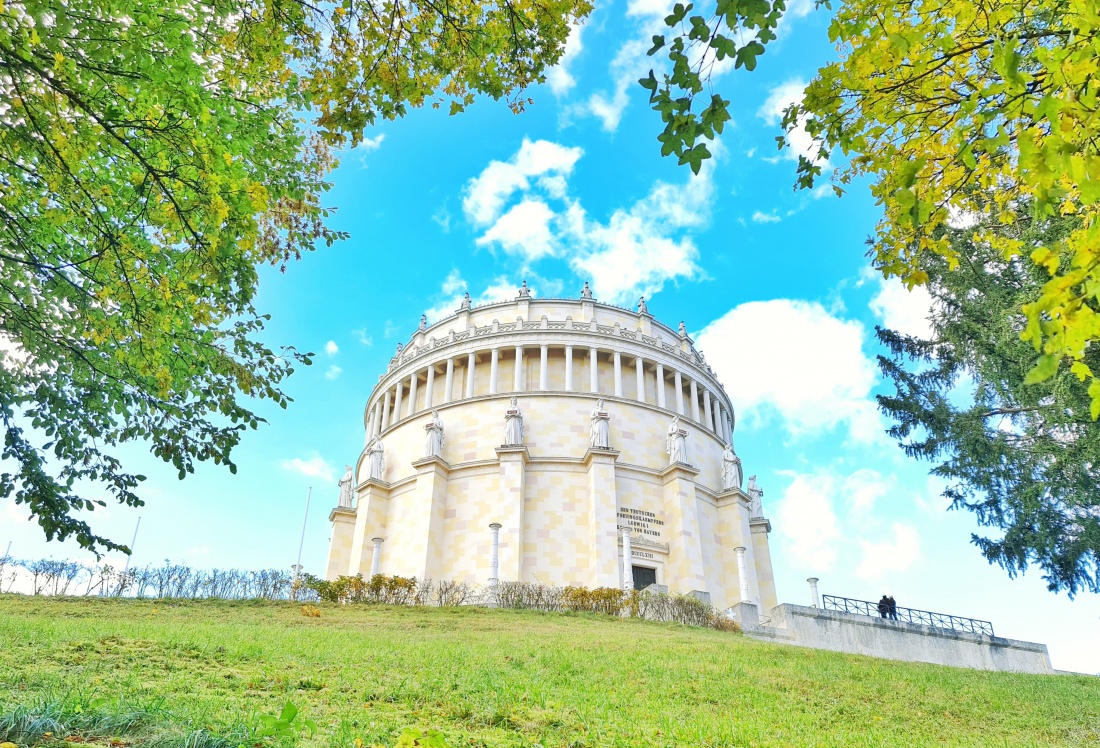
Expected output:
(911, 615)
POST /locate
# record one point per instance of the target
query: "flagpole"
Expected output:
(132, 542)
(302, 542)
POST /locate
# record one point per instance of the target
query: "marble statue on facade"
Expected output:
(513, 425)
(642, 308)
(731, 469)
(683, 329)
(676, 442)
(423, 323)
(599, 433)
(756, 507)
(347, 485)
(434, 429)
(524, 291)
(376, 459)
(586, 292)
(465, 301)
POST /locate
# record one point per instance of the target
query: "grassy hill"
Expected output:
(194, 673)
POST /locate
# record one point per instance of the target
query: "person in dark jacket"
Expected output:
(893, 609)
(884, 606)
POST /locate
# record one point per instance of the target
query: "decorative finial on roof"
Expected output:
(586, 292)
(465, 301)
(524, 291)
(642, 309)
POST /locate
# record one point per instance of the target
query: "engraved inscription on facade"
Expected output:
(642, 522)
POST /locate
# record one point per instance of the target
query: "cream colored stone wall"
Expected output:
(558, 502)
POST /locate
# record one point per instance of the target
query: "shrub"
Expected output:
(311, 611)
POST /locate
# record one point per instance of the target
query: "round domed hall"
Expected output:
(559, 441)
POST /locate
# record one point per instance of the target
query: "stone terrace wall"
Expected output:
(897, 640)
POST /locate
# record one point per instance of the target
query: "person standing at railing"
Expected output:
(893, 608)
(884, 606)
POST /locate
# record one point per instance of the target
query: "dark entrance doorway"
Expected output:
(643, 577)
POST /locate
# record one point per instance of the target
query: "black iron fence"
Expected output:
(911, 615)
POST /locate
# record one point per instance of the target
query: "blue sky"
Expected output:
(773, 283)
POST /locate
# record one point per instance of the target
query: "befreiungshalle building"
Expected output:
(566, 434)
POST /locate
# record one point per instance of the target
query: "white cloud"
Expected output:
(333, 372)
(523, 230)
(442, 218)
(368, 145)
(331, 348)
(807, 521)
(454, 289)
(630, 64)
(799, 142)
(901, 309)
(635, 252)
(314, 467)
(487, 193)
(794, 359)
(894, 555)
(559, 77)
(810, 513)
(758, 217)
(362, 337)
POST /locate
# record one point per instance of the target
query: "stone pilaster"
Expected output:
(685, 553)
(371, 500)
(765, 577)
(733, 512)
(427, 502)
(339, 545)
(513, 482)
(603, 507)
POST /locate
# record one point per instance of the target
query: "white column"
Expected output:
(679, 392)
(568, 368)
(448, 384)
(639, 377)
(742, 574)
(544, 383)
(372, 423)
(397, 402)
(628, 570)
(708, 414)
(725, 421)
(618, 375)
(376, 557)
(694, 401)
(493, 371)
(660, 385)
(470, 362)
(414, 380)
(517, 379)
(385, 412)
(494, 558)
(813, 592)
(429, 388)
(593, 359)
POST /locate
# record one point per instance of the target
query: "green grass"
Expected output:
(194, 673)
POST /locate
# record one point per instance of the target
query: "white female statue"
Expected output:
(676, 442)
(434, 428)
(599, 433)
(346, 487)
(731, 469)
(513, 425)
(756, 508)
(376, 459)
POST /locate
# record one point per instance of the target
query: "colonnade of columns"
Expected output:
(713, 414)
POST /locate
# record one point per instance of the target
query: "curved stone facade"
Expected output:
(567, 511)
